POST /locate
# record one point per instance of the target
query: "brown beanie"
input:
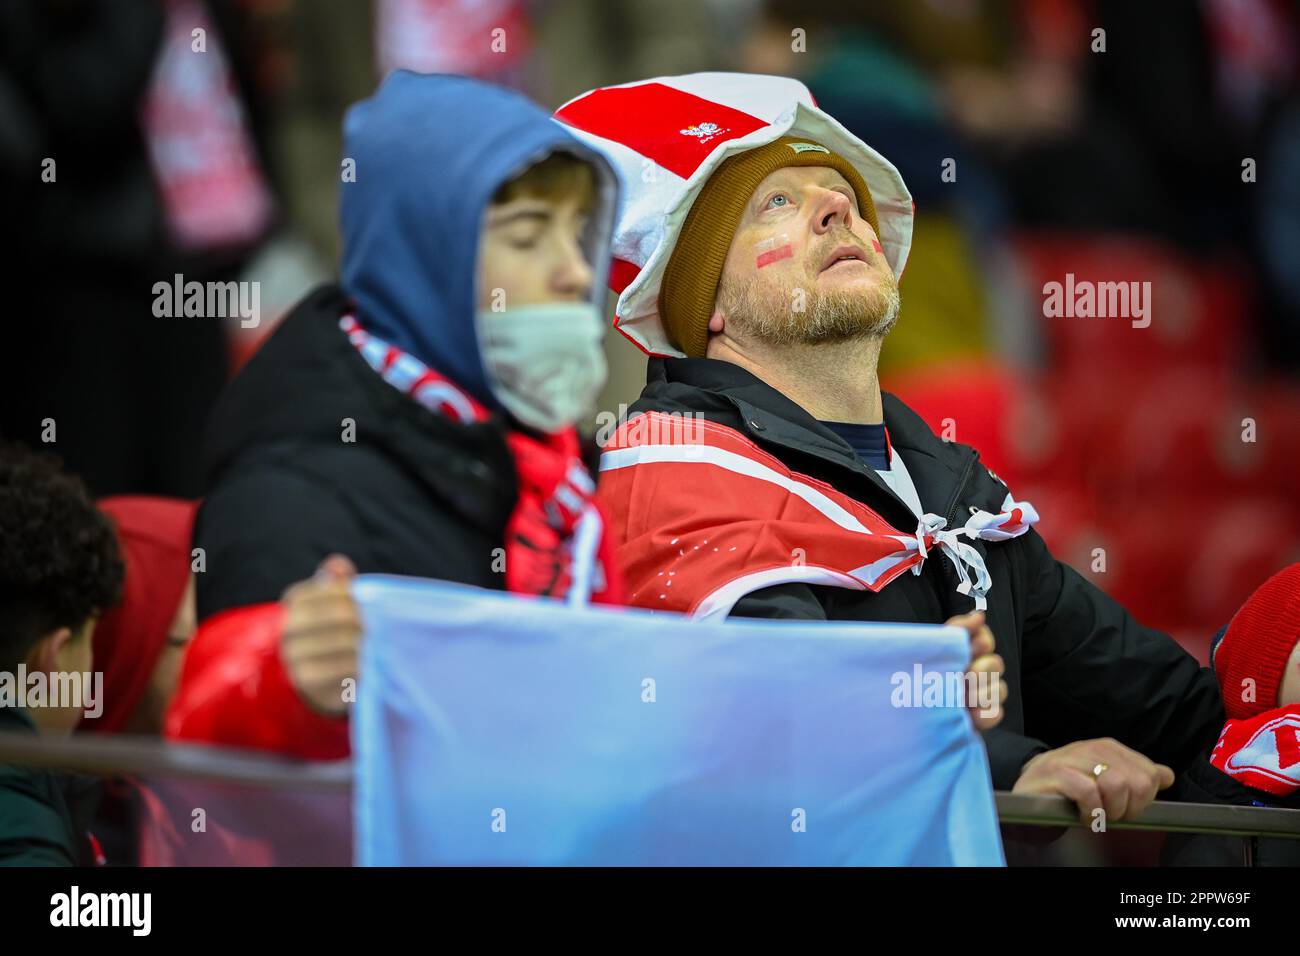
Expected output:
(1258, 643)
(690, 283)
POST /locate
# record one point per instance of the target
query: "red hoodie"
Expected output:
(154, 534)
(235, 691)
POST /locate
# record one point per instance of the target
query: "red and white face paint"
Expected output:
(773, 250)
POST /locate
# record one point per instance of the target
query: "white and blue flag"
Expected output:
(491, 729)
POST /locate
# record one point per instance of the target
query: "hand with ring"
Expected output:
(1097, 774)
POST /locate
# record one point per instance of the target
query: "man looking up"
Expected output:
(757, 256)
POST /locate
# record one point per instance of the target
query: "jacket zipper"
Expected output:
(960, 487)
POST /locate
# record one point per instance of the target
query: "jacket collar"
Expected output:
(767, 417)
(307, 378)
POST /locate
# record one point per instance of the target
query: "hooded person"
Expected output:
(1256, 761)
(757, 260)
(140, 646)
(417, 418)
(140, 643)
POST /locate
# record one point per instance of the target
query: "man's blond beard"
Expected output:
(836, 315)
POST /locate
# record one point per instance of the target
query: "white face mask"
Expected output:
(545, 362)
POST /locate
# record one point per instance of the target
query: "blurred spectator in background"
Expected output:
(317, 57)
(60, 569)
(129, 152)
(1016, 113)
(862, 69)
(140, 644)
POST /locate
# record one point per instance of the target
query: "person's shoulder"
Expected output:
(30, 799)
(670, 389)
(327, 301)
(312, 318)
(14, 779)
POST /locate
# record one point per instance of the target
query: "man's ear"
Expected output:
(717, 321)
(45, 655)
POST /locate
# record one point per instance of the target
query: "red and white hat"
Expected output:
(666, 136)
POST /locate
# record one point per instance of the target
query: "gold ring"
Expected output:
(1101, 768)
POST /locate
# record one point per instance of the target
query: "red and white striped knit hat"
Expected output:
(666, 136)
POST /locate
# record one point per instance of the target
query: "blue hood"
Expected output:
(430, 152)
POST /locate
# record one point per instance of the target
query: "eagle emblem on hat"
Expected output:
(703, 131)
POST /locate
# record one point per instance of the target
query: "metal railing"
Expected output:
(150, 758)
(1162, 815)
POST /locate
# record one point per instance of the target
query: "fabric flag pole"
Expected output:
(495, 730)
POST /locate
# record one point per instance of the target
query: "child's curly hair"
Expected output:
(60, 561)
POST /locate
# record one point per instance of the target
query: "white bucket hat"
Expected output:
(666, 136)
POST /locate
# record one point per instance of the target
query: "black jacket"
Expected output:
(1205, 783)
(414, 493)
(43, 815)
(1078, 666)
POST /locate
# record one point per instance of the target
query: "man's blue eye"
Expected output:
(779, 196)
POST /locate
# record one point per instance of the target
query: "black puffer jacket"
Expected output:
(1078, 665)
(413, 494)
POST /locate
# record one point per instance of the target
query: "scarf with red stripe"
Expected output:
(557, 543)
(1262, 751)
(704, 516)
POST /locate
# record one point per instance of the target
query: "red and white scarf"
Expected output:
(557, 543)
(704, 516)
(1262, 751)
(214, 192)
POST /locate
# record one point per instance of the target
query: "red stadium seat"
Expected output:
(1197, 309)
(1240, 544)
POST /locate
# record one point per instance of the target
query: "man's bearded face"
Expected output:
(804, 266)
